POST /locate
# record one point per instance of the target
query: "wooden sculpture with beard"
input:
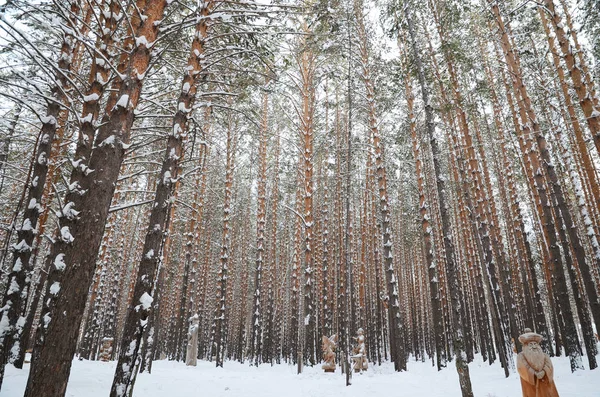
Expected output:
(535, 368)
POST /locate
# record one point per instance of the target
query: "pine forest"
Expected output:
(252, 181)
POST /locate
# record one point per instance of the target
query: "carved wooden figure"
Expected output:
(329, 345)
(359, 355)
(535, 368)
(106, 349)
(192, 346)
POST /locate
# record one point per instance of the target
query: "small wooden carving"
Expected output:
(191, 355)
(359, 355)
(106, 349)
(329, 345)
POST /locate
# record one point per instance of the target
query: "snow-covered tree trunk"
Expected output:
(5, 142)
(530, 126)
(137, 317)
(261, 220)
(82, 220)
(458, 342)
(219, 319)
(396, 339)
(293, 332)
(584, 87)
(120, 270)
(377, 293)
(307, 65)
(466, 223)
(270, 334)
(326, 284)
(203, 274)
(194, 226)
(14, 303)
(432, 266)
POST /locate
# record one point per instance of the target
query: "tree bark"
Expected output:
(531, 126)
(82, 222)
(257, 317)
(14, 303)
(588, 99)
(458, 342)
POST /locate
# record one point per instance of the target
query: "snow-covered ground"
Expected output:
(173, 379)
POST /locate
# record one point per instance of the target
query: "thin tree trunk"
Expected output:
(261, 220)
(424, 209)
(14, 303)
(458, 342)
(588, 99)
(398, 353)
(531, 126)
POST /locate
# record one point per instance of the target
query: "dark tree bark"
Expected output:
(458, 342)
(14, 303)
(82, 220)
(138, 313)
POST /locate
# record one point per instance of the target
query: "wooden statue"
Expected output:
(359, 355)
(329, 345)
(106, 349)
(191, 355)
(535, 368)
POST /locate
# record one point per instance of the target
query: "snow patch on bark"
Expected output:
(146, 300)
(59, 262)
(55, 288)
(65, 235)
(123, 101)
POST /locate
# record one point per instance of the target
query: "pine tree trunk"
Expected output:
(588, 167)
(220, 320)
(398, 353)
(458, 342)
(584, 87)
(14, 302)
(82, 223)
(257, 317)
(5, 143)
(531, 126)
(270, 333)
(424, 209)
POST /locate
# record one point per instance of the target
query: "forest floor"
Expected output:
(174, 379)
